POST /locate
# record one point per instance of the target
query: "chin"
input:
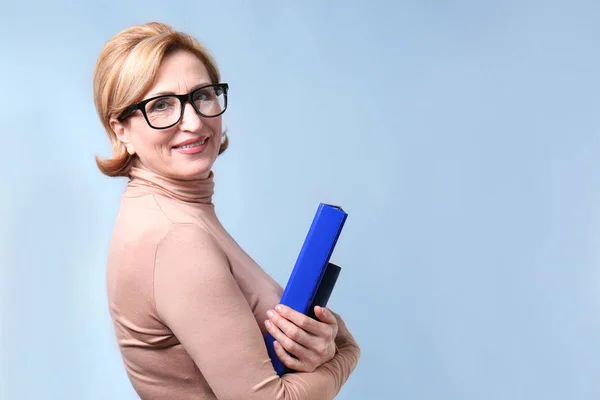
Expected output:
(194, 169)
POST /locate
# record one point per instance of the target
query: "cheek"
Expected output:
(216, 128)
(215, 125)
(146, 140)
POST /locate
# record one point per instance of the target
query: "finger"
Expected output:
(303, 321)
(292, 331)
(288, 344)
(289, 361)
(325, 315)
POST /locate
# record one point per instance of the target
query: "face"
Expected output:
(161, 150)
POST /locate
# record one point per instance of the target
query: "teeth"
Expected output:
(187, 146)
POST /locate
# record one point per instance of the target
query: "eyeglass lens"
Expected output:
(166, 110)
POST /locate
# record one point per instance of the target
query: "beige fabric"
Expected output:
(189, 305)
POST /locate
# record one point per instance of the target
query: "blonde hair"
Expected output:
(125, 70)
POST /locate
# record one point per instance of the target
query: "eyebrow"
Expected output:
(167, 92)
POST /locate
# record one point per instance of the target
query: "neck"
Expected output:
(198, 190)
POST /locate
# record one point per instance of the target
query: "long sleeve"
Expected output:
(198, 298)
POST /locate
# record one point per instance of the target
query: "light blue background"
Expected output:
(461, 136)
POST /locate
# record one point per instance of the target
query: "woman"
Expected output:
(190, 308)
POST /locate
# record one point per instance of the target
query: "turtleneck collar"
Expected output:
(191, 191)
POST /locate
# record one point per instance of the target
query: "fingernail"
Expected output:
(279, 307)
(268, 323)
(270, 313)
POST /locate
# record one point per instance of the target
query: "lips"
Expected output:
(191, 143)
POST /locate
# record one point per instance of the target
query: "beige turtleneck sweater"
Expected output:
(188, 304)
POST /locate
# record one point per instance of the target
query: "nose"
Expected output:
(190, 120)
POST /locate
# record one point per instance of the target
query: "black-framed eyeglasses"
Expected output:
(165, 111)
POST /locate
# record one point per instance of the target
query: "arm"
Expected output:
(198, 298)
(348, 351)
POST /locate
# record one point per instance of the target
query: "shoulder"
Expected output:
(140, 220)
(173, 210)
(188, 241)
(150, 205)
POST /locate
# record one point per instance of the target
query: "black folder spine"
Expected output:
(325, 288)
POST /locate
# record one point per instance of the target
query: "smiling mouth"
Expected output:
(195, 144)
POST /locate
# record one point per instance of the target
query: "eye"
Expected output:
(161, 104)
(205, 94)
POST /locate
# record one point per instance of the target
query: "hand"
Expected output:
(311, 343)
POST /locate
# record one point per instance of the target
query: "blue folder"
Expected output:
(313, 277)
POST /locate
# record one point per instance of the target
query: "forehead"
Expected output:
(179, 71)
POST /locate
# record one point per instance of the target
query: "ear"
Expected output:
(122, 133)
